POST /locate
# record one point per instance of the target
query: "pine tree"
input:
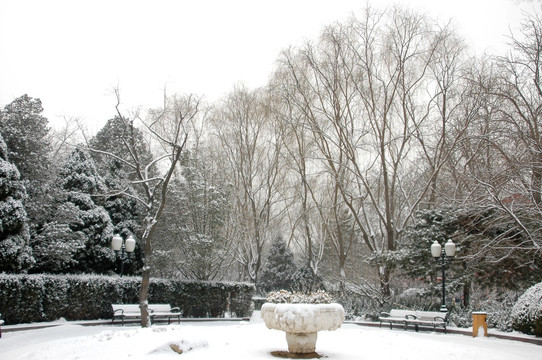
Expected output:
(79, 178)
(15, 252)
(124, 211)
(25, 131)
(195, 220)
(279, 268)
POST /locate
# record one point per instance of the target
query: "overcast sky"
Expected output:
(72, 53)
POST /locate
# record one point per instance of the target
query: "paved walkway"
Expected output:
(256, 318)
(463, 331)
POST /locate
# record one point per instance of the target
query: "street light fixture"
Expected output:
(442, 255)
(127, 246)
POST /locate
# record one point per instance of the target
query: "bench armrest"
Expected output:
(175, 309)
(119, 310)
(385, 314)
(440, 318)
(410, 317)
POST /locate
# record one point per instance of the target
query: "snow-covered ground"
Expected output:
(248, 340)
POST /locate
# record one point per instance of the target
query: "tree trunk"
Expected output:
(146, 279)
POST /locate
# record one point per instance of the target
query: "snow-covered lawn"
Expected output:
(248, 340)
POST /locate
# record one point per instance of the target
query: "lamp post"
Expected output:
(127, 246)
(442, 255)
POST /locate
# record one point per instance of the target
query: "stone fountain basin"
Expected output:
(301, 322)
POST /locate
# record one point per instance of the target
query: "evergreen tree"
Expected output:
(56, 244)
(79, 178)
(279, 268)
(15, 252)
(25, 131)
(124, 211)
(306, 281)
(112, 138)
(198, 244)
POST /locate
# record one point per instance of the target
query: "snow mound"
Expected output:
(181, 346)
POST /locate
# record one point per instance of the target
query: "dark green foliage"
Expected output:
(197, 246)
(279, 269)
(415, 255)
(33, 298)
(15, 252)
(115, 138)
(489, 243)
(305, 280)
(78, 236)
(25, 132)
(79, 174)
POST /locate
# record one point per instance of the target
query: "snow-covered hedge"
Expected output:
(286, 297)
(34, 298)
(527, 312)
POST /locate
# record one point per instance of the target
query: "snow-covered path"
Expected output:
(248, 340)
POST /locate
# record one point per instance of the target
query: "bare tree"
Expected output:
(251, 147)
(64, 137)
(362, 93)
(502, 155)
(520, 88)
(302, 187)
(153, 178)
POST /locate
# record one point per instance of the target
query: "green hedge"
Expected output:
(35, 298)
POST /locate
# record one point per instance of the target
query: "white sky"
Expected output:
(71, 53)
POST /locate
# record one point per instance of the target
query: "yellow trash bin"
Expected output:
(479, 320)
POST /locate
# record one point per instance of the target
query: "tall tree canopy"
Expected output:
(25, 132)
(15, 252)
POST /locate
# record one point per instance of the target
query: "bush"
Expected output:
(34, 298)
(286, 297)
(527, 312)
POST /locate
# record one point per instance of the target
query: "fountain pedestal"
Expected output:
(301, 322)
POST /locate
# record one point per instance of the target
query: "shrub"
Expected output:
(527, 312)
(283, 296)
(33, 298)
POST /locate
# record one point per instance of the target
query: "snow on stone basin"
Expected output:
(302, 318)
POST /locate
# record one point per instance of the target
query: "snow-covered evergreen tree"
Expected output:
(26, 133)
(199, 245)
(279, 268)
(79, 178)
(124, 211)
(15, 252)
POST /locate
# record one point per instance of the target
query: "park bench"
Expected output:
(416, 318)
(1, 323)
(156, 311)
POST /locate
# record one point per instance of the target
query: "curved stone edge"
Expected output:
(302, 318)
